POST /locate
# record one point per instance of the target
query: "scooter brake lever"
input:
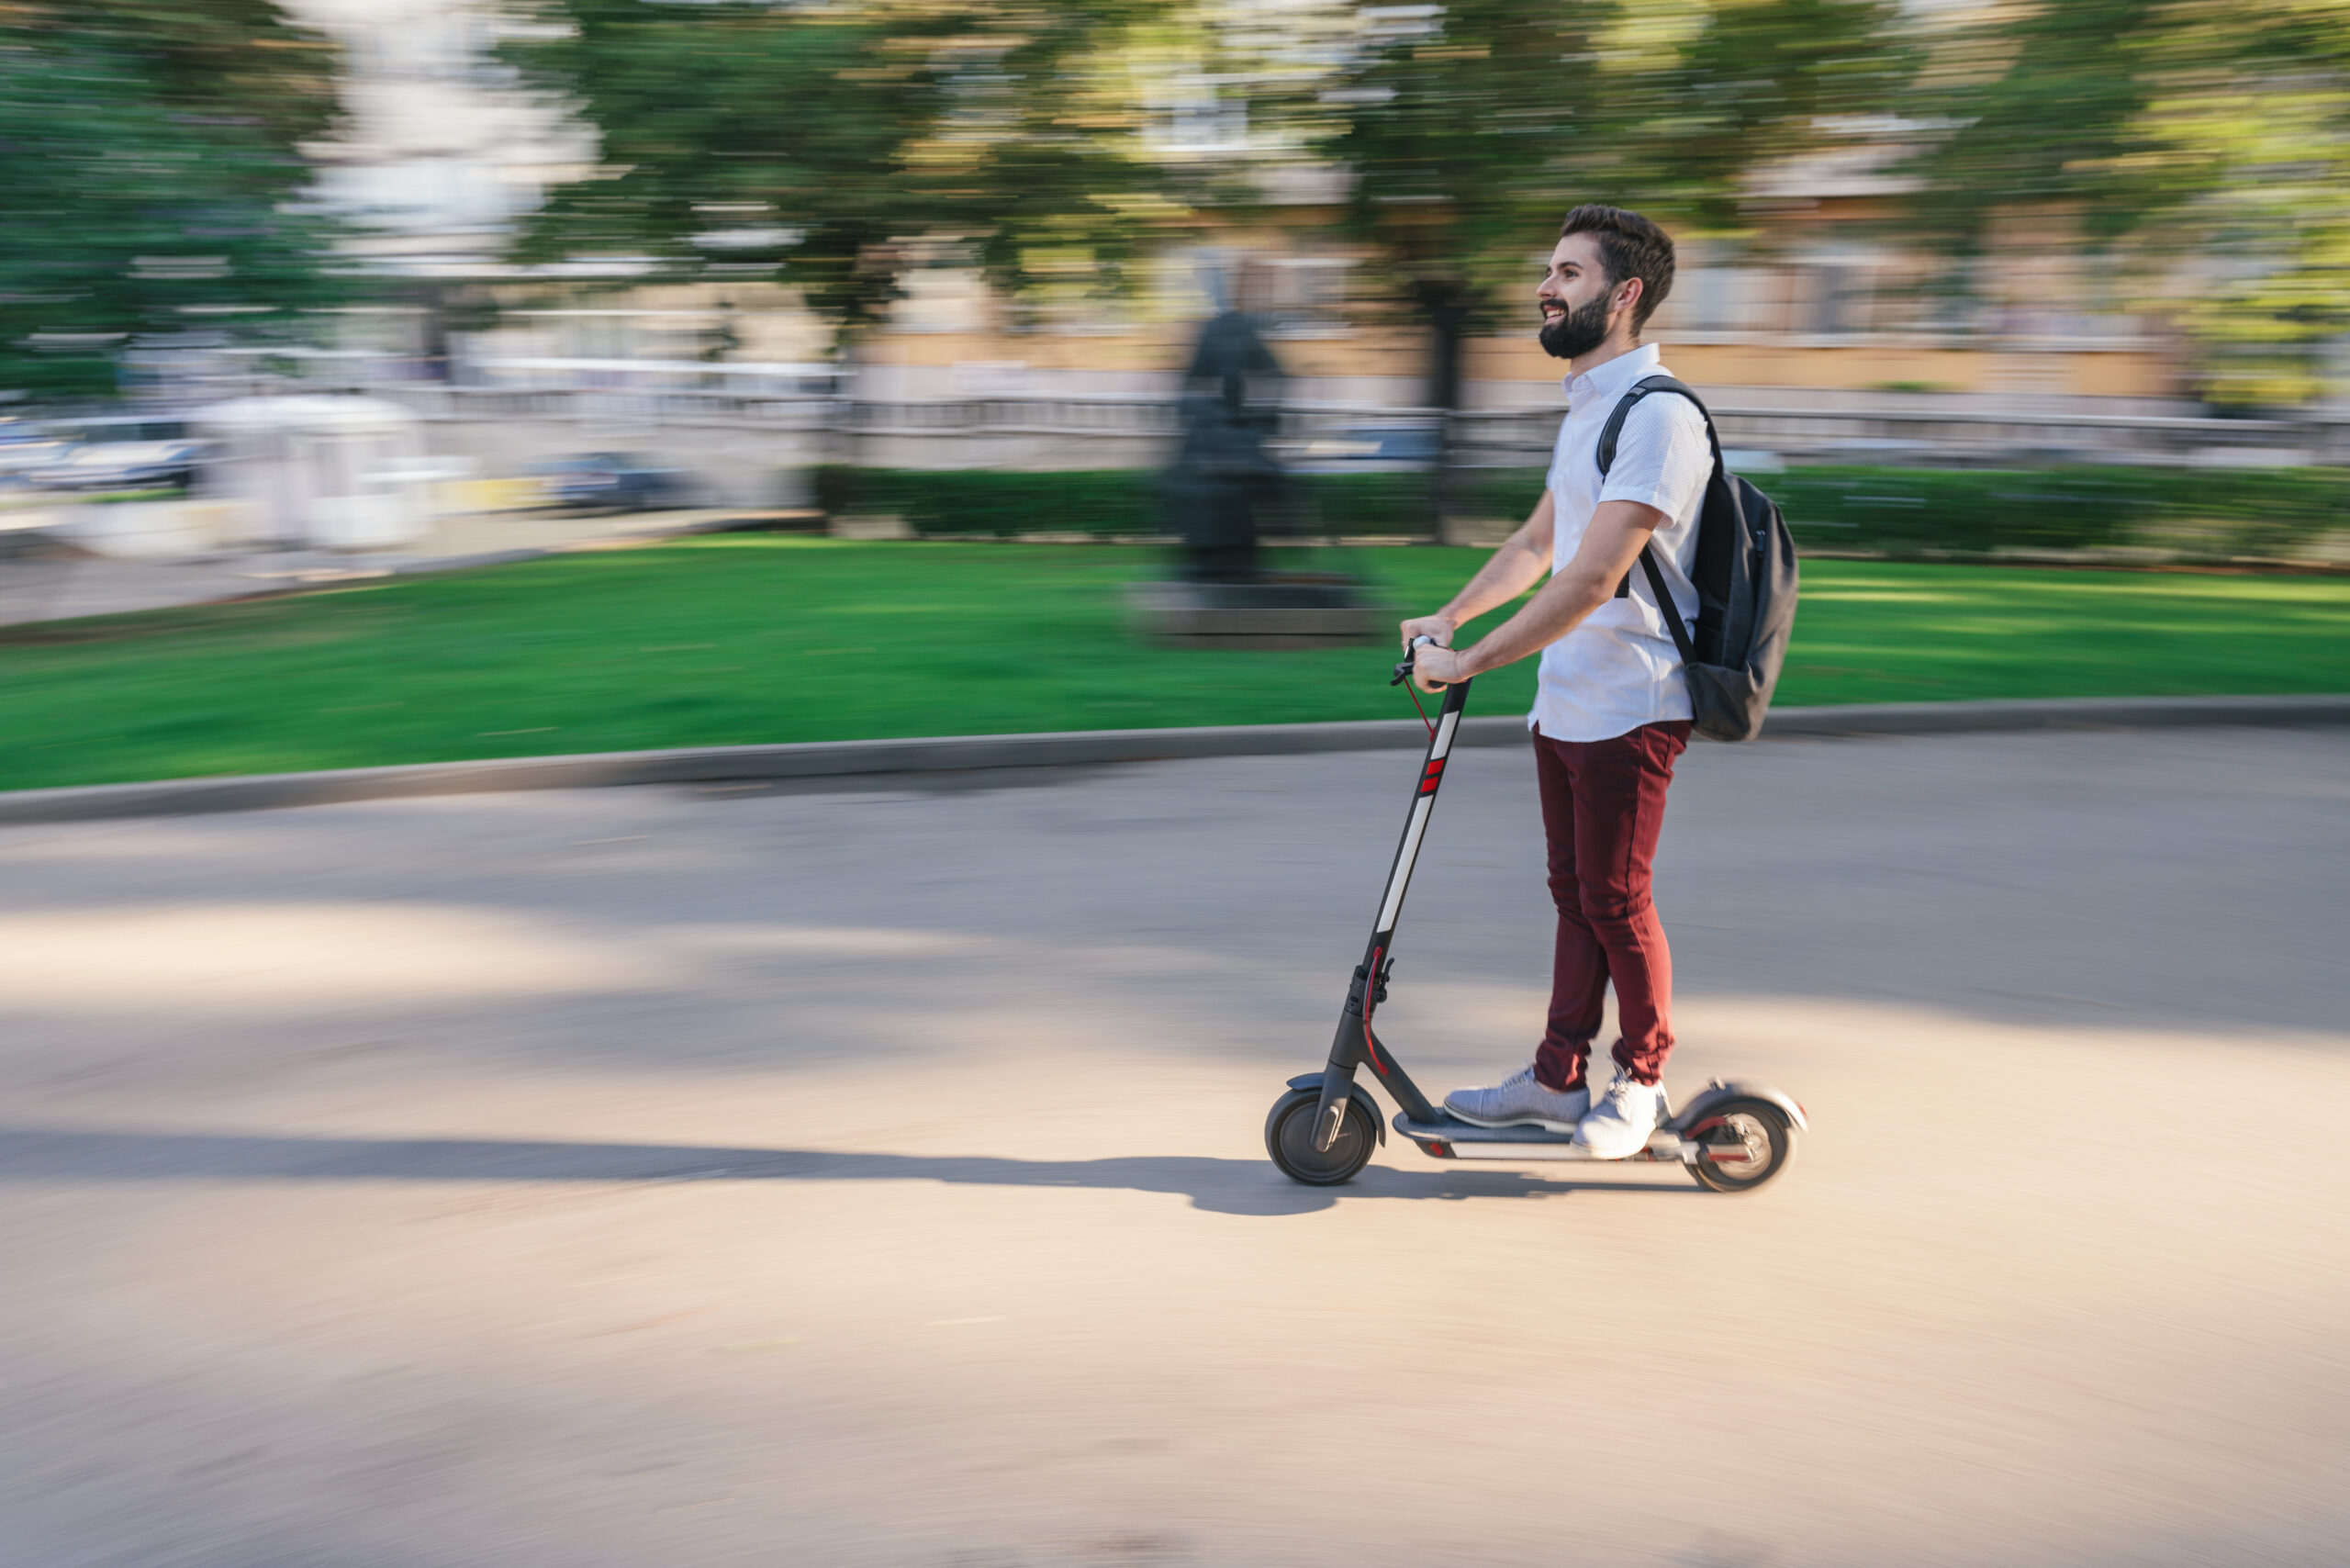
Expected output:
(1403, 670)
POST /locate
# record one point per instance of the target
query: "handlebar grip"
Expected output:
(1403, 670)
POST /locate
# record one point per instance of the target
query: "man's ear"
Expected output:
(1628, 292)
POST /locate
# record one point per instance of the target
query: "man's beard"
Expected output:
(1579, 331)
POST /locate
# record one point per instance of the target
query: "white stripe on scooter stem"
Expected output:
(1444, 728)
(1403, 864)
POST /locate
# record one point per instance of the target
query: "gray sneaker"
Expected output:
(1518, 1101)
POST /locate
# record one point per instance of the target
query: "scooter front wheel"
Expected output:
(1747, 1142)
(1288, 1138)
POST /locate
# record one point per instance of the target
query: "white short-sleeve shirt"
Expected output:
(1619, 669)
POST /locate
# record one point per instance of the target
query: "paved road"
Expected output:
(762, 1177)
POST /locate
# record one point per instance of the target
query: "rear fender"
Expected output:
(1361, 1096)
(1718, 1092)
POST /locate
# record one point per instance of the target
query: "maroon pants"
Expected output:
(1603, 802)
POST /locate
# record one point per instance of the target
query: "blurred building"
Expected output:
(1822, 297)
(1817, 300)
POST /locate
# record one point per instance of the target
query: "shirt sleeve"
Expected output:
(1663, 458)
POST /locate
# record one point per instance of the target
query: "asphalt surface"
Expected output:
(807, 1174)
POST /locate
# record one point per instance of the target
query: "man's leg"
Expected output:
(1551, 1092)
(1578, 962)
(1619, 790)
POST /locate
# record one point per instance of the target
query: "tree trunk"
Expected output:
(1447, 304)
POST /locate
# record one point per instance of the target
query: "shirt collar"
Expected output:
(1611, 378)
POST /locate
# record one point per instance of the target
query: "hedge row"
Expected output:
(1903, 513)
(994, 503)
(1940, 513)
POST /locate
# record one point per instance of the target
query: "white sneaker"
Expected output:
(1622, 1119)
(1518, 1101)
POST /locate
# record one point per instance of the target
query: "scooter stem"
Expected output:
(1355, 1041)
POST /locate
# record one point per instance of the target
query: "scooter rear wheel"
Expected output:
(1762, 1133)
(1288, 1138)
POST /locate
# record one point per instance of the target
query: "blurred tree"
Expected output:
(2039, 103)
(241, 62)
(1705, 94)
(154, 165)
(2201, 150)
(819, 143)
(1470, 133)
(2248, 132)
(1455, 132)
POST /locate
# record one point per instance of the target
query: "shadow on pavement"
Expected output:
(1222, 1186)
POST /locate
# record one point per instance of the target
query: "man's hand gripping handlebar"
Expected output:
(1403, 670)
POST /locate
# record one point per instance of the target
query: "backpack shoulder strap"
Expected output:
(1623, 410)
(1673, 620)
(1607, 434)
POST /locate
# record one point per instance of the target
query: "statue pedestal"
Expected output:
(1305, 613)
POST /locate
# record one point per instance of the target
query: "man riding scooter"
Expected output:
(1612, 712)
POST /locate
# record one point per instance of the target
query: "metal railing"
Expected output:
(1478, 438)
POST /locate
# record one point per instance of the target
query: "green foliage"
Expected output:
(742, 639)
(151, 150)
(1705, 95)
(813, 144)
(1008, 127)
(2043, 101)
(2202, 515)
(241, 62)
(2201, 148)
(998, 504)
(1470, 143)
(1117, 502)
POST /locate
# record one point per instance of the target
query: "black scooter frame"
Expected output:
(1732, 1136)
(1357, 1043)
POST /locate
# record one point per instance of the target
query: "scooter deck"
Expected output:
(1448, 1137)
(1452, 1129)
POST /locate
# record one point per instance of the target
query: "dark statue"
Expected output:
(1225, 484)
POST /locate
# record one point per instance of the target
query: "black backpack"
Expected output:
(1746, 587)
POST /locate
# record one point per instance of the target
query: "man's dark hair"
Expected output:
(1629, 246)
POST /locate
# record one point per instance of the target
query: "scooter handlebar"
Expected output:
(1403, 670)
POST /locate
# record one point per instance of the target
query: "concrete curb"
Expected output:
(178, 797)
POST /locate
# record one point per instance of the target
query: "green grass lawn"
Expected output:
(745, 638)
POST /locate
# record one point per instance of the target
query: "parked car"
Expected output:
(98, 428)
(609, 479)
(120, 466)
(19, 456)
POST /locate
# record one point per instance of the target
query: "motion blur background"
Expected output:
(868, 1170)
(765, 254)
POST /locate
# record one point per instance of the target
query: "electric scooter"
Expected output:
(1731, 1137)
